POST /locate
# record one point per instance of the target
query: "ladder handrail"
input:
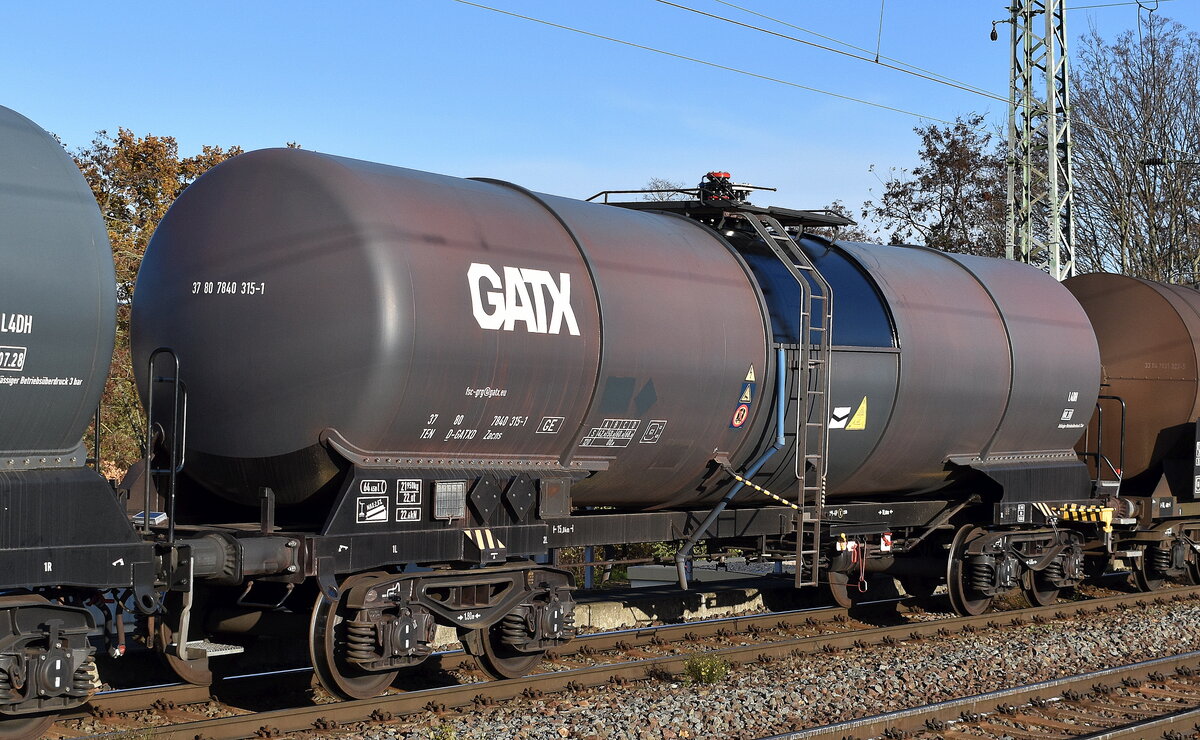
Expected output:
(177, 451)
(812, 388)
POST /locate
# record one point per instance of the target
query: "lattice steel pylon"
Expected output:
(1040, 220)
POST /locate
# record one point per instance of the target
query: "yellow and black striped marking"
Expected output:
(483, 539)
(1078, 513)
(763, 491)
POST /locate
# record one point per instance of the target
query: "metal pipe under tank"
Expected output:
(780, 442)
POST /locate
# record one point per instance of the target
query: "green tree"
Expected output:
(135, 179)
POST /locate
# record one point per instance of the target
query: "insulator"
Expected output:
(980, 575)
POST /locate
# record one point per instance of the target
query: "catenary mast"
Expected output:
(1040, 219)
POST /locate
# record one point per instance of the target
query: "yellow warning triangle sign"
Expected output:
(750, 375)
(859, 420)
(746, 397)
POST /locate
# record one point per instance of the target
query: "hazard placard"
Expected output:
(740, 414)
(859, 420)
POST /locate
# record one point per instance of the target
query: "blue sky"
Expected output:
(442, 86)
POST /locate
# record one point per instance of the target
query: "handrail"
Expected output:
(178, 439)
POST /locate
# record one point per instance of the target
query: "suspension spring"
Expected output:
(513, 630)
(6, 687)
(1054, 570)
(981, 576)
(86, 680)
(361, 641)
(1160, 558)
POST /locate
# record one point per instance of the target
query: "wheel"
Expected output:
(494, 657)
(963, 598)
(165, 633)
(1191, 574)
(327, 645)
(1145, 578)
(837, 587)
(1038, 591)
(24, 727)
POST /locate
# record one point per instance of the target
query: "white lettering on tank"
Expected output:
(524, 296)
(475, 275)
(519, 307)
(16, 323)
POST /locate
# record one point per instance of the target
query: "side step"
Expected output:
(198, 649)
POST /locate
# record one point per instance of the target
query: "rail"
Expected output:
(842, 636)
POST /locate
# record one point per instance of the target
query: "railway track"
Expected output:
(1152, 699)
(592, 661)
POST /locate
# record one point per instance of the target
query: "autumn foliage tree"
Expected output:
(135, 179)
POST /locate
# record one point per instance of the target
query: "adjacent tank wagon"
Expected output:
(63, 533)
(57, 300)
(1149, 336)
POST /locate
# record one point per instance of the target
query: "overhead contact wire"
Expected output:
(931, 78)
(922, 73)
(704, 62)
(879, 36)
(1108, 5)
(848, 45)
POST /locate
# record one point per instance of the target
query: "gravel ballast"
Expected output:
(757, 700)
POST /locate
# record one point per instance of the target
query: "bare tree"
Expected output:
(955, 199)
(852, 233)
(1136, 127)
(663, 189)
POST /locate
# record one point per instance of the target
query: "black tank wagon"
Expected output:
(405, 368)
(381, 400)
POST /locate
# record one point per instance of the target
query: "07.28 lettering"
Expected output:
(12, 359)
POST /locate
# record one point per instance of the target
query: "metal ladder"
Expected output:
(812, 390)
(175, 436)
